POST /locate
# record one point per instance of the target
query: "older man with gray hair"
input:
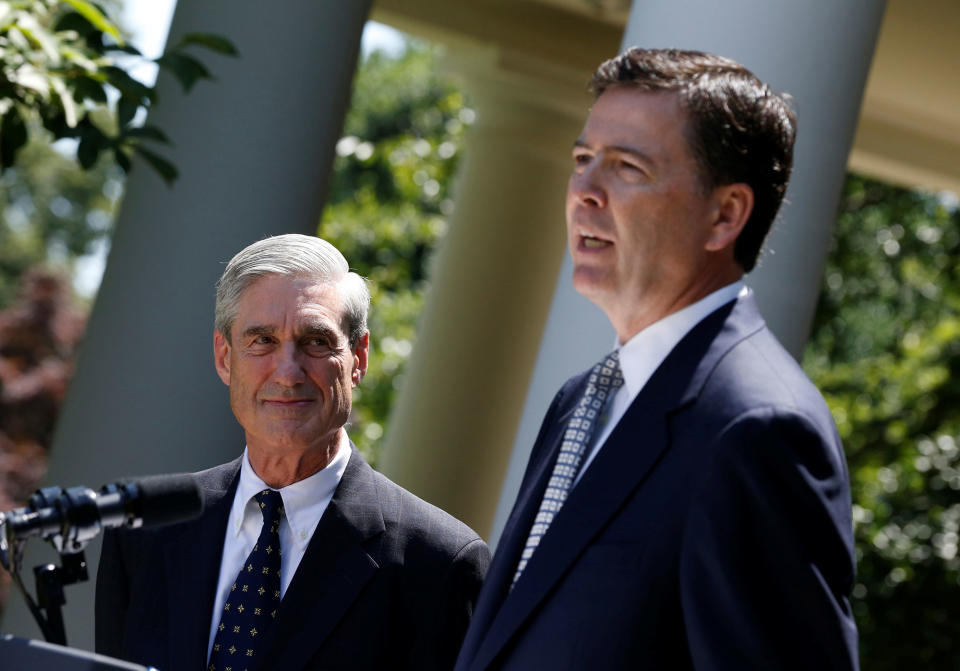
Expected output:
(305, 557)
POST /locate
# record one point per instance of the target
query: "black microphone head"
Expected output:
(166, 499)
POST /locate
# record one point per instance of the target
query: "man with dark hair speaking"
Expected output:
(304, 557)
(686, 504)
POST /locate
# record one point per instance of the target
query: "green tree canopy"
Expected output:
(389, 206)
(885, 351)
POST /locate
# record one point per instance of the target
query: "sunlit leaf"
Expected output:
(39, 36)
(66, 100)
(90, 12)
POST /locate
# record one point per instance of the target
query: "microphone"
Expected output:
(71, 518)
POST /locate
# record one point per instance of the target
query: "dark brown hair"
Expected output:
(737, 128)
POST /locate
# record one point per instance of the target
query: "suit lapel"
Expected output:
(616, 472)
(623, 464)
(333, 571)
(513, 538)
(192, 565)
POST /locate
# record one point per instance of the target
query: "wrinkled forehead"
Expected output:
(282, 298)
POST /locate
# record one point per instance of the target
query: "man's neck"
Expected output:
(279, 468)
(642, 314)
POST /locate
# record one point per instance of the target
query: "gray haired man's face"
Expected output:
(290, 367)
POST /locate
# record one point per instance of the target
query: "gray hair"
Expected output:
(292, 254)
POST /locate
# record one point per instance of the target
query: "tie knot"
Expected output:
(606, 375)
(271, 505)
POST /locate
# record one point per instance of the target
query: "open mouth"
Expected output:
(591, 242)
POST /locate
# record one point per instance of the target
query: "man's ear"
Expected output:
(221, 356)
(734, 203)
(360, 356)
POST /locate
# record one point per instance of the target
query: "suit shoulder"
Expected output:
(219, 477)
(757, 392)
(758, 372)
(420, 522)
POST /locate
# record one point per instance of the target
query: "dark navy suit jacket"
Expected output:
(711, 531)
(387, 582)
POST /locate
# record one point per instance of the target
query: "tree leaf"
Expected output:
(38, 36)
(75, 22)
(187, 69)
(122, 159)
(54, 122)
(148, 133)
(164, 168)
(90, 12)
(31, 78)
(126, 110)
(128, 86)
(87, 88)
(13, 135)
(92, 142)
(66, 100)
(216, 43)
(125, 48)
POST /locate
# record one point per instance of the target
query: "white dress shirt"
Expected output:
(303, 503)
(643, 353)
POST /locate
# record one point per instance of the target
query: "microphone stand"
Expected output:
(47, 610)
(50, 595)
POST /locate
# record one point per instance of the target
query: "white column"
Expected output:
(818, 52)
(452, 428)
(254, 149)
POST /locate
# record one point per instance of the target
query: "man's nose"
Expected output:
(289, 371)
(586, 186)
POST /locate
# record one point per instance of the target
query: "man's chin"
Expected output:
(592, 283)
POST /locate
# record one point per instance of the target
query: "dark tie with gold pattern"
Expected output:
(254, 598)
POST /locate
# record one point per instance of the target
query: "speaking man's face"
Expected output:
(637, 213)
(290, 367)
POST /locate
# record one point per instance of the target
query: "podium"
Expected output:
(17, 654)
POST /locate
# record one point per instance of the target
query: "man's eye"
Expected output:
(262, 340)
(581, 159)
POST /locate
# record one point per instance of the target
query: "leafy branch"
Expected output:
(59, 65)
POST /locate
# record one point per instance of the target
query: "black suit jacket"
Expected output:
(387, 581)
(712, 530)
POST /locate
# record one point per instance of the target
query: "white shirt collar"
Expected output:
(303, 502)
(643, 353)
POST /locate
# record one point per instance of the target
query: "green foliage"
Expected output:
(58, 65)
(388, 207)
(51, 212)
(885, 351)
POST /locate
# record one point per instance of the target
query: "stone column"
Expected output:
(452, 428)
(254, 149)
(818, 52)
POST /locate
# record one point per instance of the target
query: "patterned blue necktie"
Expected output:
(254, 598)
(605, 378)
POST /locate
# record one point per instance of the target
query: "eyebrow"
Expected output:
(617, 148)
(318, 329)
(258, 329)
(310, 329)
